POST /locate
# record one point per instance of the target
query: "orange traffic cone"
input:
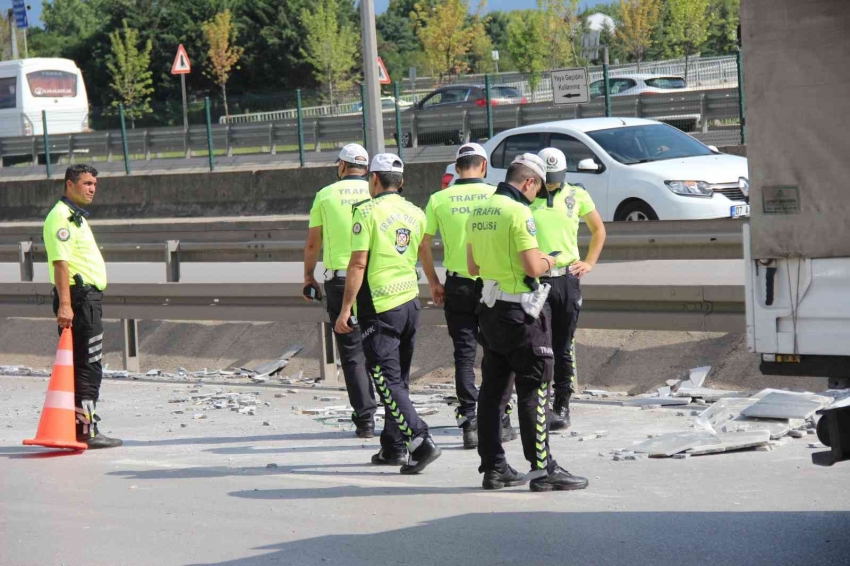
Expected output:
(56, 428)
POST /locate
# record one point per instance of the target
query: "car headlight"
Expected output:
(690, 188)
(744, 185)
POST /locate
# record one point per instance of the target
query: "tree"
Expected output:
(496, 28)
(130, 70)
(223, 54)
(398, 43)
(526, 44)
(639, 20)
(331, 47)
(561, 31)
(687, 31)
(480, 55)
(723, 27)
(446, 35)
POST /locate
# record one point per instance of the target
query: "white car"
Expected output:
(634, 84)
(634, 169)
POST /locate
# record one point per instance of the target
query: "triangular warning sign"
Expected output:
(383, 75)
(181, 65)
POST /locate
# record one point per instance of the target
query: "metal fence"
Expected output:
(420, 125)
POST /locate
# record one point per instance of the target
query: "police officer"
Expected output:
(383, 280)
(78, 274)
(515, 334)
(556, 215)
(448, 212)
(330, 229)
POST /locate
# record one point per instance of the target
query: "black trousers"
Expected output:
(388, 340)
(518, 346)
(460, 309)
(565, 301)
(361, 393)
(87, 331)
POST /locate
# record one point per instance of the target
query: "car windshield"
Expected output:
(667, 82)
(642, 144)
(504, 92)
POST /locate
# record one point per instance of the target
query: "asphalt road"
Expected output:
(203, 494)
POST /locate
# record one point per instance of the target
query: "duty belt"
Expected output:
(335, 274)
(556, 272)
(458, 275)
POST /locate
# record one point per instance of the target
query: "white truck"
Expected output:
(797, 245)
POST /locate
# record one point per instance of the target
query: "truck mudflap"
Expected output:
(834, 431)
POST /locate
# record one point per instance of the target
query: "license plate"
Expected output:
(739, 210)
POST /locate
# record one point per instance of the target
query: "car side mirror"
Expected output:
(714, 148)
(588, 165)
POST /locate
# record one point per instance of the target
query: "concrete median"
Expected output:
(238, 193)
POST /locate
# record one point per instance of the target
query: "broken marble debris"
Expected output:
(275, 366)
(786, 405)
(641, 401)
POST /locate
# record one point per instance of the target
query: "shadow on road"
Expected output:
(224, 471)
(545, 539)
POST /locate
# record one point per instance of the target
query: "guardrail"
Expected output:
(276, 240)
(666, 305)
(702, 113)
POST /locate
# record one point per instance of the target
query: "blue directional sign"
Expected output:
(20, 8)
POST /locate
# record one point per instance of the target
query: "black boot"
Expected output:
(561, 411)
(498, 480)
(470, 434)
(508, 433)
(389, 458)
(558, 479)
(422, 455)
(365, 427)
(87, 428)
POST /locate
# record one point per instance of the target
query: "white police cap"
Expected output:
(468, 149)
(556, 165)
(387, 163)
(355, 154)
(532, 162)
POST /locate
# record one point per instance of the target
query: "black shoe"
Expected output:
(561, 412)
(389, 458)
(101, 441)
(470, 434)
(558, 480)
(426, 453)
(365, 430)
(498, 480)
(508, 433)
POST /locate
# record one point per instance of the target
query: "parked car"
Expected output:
(455, 96)
(631, 85)
(387, 105)
(470, 97)
(634, 169)
(643, 84)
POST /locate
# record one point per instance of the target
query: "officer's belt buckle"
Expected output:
(335, 274)
(557, 272)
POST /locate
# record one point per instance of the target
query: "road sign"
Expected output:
(383, 75)
(570, 86)
(181, 65)
(20, 8)
(495, 55)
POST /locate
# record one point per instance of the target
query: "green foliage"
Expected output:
(526, 43)
(331, 46)
(723, 28)
(223, 53)
(129, 68)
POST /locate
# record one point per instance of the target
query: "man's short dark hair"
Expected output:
(74, 172)
(517, 173)
(389, 180)
(467, 162)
